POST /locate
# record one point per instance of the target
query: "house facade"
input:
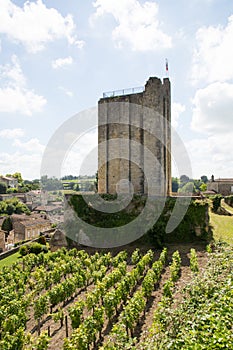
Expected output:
(28, 227)
(221, 186)
(10, 182)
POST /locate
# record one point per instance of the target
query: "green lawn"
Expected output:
(9, 260)
(222, 226)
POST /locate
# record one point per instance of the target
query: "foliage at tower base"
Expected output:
(193, 227)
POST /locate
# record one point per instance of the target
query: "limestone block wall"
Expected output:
(220, 187)
(2, 241)
(134, 139)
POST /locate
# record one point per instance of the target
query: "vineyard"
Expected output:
(72, 300)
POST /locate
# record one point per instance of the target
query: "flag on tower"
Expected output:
(166, 65)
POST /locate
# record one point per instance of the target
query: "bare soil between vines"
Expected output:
(58, 333)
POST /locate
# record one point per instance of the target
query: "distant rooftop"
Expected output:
(223, 180)
(122, 92)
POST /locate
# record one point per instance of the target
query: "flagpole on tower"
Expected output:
(166, 63)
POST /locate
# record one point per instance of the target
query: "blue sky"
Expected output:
(58, 57)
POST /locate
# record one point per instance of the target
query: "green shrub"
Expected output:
(229, 200)
(33, 248)
(36, 248)
(168, 289)
(45, 249)
(42, 240)
(24, 250)
(193, 260)
(196, 216)
(216, 200)
(11, 190)
(13, 205)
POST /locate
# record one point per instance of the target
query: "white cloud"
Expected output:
(27, 164)
(26, 158)
(137, 25)
(11, 133)
(13, 72)
(14, 94)
(82, 156)
(20, 100)
(212, 116)
(213, 55)
(33, 145)
(67, 92)
(213, 109)
(212, 155)
(62, 62)
(34, 25)
(176, 110)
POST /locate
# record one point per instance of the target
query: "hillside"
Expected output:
(97, 296)
(128, 299)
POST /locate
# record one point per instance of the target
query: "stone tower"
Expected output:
(134, 139)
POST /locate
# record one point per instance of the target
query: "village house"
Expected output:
(221, 186)
(20, 196)
(33, 199)
(10, 182)
(29, 227)
(50, 209)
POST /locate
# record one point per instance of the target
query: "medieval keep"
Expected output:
(134, 139)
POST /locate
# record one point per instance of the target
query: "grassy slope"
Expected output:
(9, 260)
(222, 225)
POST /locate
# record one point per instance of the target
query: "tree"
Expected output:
(51, 184)
(188, 188)
(17, 176)
(203, 187)
(184, 179)
(204, 179)
(76, 187)
(2, 188)
(197, 184)
(13, 205)
(175, 184)
(31, 185)
(69, 177)
(7, 224)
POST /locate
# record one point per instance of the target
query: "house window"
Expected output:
(231, 189)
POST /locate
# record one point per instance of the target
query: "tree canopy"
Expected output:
(7, 224)
(51, 183)
(2, 188)
(13, 206)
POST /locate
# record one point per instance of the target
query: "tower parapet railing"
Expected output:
(122, 92)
